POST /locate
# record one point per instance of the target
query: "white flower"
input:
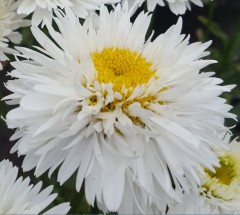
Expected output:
(192, 203)
(178, 7)
(42, 9)
(9, 22)
(219, 192)
(122, 112)
(18, 196)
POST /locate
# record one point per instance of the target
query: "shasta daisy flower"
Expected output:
(178, 7)
(219, 192)
(121, 111)
(17, 196)
(42, 9)
(9, 22)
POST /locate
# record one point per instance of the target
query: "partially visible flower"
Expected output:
(125, 113)
(219, 192)
(10, 21)
(178, 7)
(18, 196)
(43, 9)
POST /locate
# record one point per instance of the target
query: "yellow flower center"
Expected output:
(121, 67)
(227, 171)
(225, 182)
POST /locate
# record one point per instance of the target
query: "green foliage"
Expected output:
(226, 53)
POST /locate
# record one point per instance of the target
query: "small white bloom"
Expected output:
(219, 192)
(121, 111)
(42, 9)
(178, 7)
(18, 196)
(10, 21)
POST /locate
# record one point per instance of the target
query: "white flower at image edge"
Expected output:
(219, 192)
(178, 7)
(123, 112)
(18, 196)
(42, 9)
(10, 21)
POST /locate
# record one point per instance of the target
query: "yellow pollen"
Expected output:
(225, 182)
(226, 172)
(121, 67)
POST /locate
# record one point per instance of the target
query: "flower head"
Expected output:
(42, 9)
(219, 191)
(17, 196)
(121, 111)
(9, 22)
(222, 187)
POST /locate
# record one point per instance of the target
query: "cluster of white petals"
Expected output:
(18, 196)
(125, 113)
(43, 9)
(178, 7)
(10, 21)
(219, 191)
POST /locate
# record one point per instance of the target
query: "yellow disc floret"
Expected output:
(122, 67)
(224, 183)
(227, 171)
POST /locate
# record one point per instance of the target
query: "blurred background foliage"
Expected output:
(218, 21)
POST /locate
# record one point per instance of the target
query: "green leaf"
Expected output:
(214, 28)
